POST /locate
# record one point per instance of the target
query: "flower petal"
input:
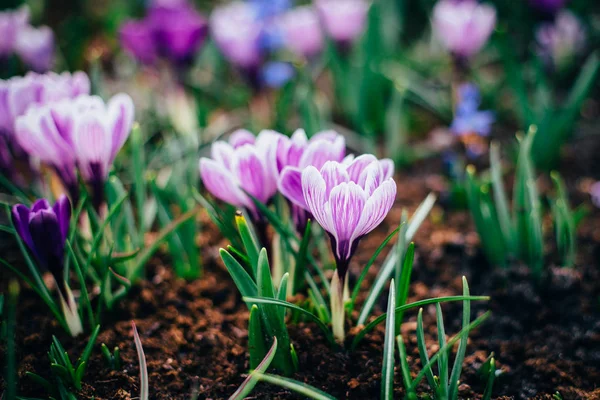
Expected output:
(251, 173)
(241, 137)
(358, 164)
(62, 209)
(290, 185)
(222, 184)
(20, 219)
(314, 191)
(387, 165)
(333, 174)
(346, 204)
(92, 144)
(120, 112)
(222, 152)
(376, 208)
(321, 150)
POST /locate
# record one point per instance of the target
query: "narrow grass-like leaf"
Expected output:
(256, 338)
(421, 345)
(500, 197)
(487, 394)
(282, 292)
(442, 361)
(448, 346)
(249, 240)
(252, 379)
(142, 361)
(243, 281)
(369, 327)
(301, 259)
(311, 316)
(462, 347)
(405, 274)
(295, 386)
(387, 370)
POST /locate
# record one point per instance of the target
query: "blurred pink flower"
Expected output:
(559, 42)
(301, 31)
(463, 27)
(343, 20)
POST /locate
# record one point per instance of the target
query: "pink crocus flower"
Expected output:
(343, 20)
(463, 27)
(301, 31)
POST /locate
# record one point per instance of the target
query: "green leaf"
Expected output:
(282, 291)
(500, 198)
(423, 353)
(369, 327)
(142, 361)
(243, 281)
(256, 338)
(295, 386)
(462, 347)
(250, 241)
(487, 394)
(405, 281)
(311, 316)
(442, 361)
(246, 387)
(387, 370)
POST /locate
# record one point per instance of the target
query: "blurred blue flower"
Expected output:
(270, 8)
(276, 74)
(467, 118)
(270, 38)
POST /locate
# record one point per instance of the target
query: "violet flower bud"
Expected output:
(243, 164)
(136, 39)
(343, 20)
(468, 119)
(301, 31)
(44, 230)
(463, 27)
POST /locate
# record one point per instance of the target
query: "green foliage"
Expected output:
(508, 235)
(113, 360)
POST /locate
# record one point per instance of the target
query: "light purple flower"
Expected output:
(468, 119)
(298, 152)
(85, 133)
(244, 164)
(136, 39)
(595, 193)
(35, 46)
(347, 199)
(549, 6)
(301, 31)
(11, 22)
(236, 30)
(344, 20)
(559, 42)
(463, 27)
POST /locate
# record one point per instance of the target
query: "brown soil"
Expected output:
(546, 338)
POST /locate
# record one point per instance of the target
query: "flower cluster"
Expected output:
(83, 133)
(171, 29)
(348, 196)
(562, 40)
(467, 117)
(463, 27)
(247, 33)
(19, 94)
(35, 46)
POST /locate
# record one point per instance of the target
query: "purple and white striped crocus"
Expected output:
(343, 20)
(19, 94)
(464, 26)
(348, 200)
(298, 152)
(44, 229)
(244, 164)
(84, 133)
(301, 31)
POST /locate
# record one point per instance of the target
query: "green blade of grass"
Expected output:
(246, 387)
(295, 386)
(387, 370)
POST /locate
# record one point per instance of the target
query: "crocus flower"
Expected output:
(463, 27)
(343, 20)
(549, 6)
(245, 164)
(19, 94)
(84, 132)
(298, 152)
(301, 31)
(468, 119)
(270, 8)
(44, 229)
(275, 74)
(11, 22)
(35, 46)
(560, 41)
(172, 29)
(237, 31)
(348, 200)
(595, 193)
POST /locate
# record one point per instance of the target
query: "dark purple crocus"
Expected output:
(171, 29)
(44, 228)
(549, 6)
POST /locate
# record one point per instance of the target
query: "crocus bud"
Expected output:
(242, 165)
(344, 20)
(236, 31)
(11, 22)
(559, 42)
(44, 229)
(301, 31)
(463, 27)
(35, 46)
